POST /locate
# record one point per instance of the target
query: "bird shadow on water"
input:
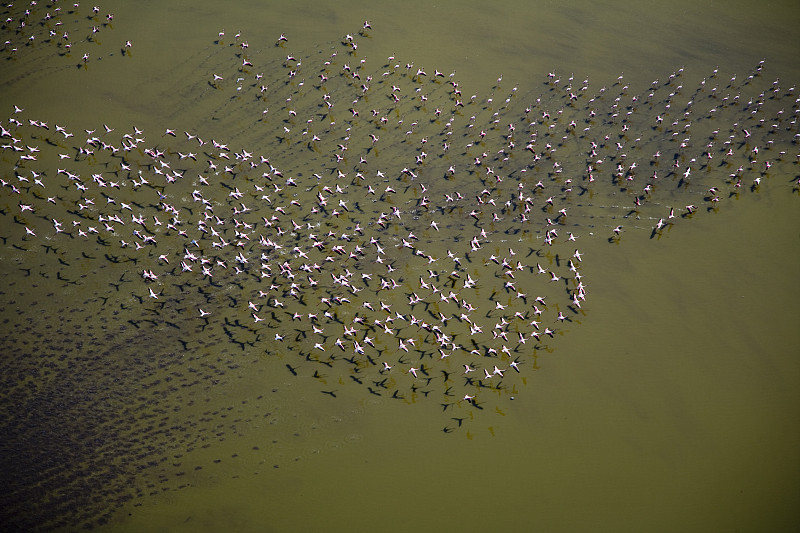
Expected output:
(208, 302)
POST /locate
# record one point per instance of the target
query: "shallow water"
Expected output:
(665, 403)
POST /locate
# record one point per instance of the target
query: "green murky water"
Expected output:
(667, 402)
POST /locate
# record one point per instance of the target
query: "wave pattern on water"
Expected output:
(330, 220)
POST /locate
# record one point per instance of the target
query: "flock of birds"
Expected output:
(364, 226)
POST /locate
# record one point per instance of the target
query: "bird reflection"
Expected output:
(364, 227)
